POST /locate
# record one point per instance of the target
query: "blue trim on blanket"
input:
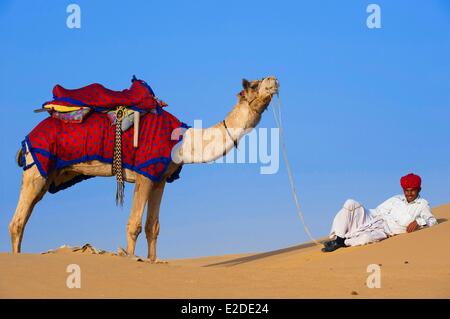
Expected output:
(61, 164)
(148, 87)
(154, 161)
(24, 156)
(184, 125)
(69, 100)
(43, 152)
(38, 164)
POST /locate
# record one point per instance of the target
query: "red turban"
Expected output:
(410, 181)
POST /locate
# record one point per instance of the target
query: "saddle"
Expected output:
(74, 105)
(124, 109)
(139, 96)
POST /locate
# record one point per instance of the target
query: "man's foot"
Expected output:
(339, 240)
(332, 246)
(327, 243)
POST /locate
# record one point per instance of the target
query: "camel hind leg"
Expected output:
(34, 186)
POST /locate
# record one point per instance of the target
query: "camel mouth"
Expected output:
(269, 85)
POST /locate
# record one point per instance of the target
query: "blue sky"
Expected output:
(361, 107)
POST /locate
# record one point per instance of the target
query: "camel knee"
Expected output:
(16, 227)
(134, 230)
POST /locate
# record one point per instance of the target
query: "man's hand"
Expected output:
(412, 227)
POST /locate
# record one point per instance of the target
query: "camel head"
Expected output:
(258, 91)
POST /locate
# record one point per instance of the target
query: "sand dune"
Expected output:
(415, 265)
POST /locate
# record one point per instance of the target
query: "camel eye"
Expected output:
(254, 85)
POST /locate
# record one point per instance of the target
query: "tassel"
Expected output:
(117, 159)
(120, 193)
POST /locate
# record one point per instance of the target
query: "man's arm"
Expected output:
(412, 227)
(385, 207)
(426, 217)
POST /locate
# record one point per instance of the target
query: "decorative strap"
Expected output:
(117, 159)
(229, 134)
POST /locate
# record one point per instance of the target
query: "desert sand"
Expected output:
(415, 265)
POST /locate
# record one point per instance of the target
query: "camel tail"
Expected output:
(19, 158)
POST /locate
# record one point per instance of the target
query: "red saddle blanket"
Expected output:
(139, 95)
(54, 144)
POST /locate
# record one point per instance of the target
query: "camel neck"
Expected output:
(242, 116)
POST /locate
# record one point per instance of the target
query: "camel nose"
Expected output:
(272, 84)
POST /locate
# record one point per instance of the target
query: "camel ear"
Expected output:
(245, 84)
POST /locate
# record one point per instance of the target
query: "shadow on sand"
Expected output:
(241, 260)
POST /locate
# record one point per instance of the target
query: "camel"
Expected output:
(197, 146)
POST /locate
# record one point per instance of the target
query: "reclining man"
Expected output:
(355, 225)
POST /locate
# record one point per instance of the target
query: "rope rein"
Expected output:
(117, 159)
(117, 169)
(288, 167)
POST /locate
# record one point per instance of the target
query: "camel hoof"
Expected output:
(122, 252)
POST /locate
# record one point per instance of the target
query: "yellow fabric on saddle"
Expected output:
(65, 109)
(62, 108)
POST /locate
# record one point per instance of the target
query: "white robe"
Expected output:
(360, 226)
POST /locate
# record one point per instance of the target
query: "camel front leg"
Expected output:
(140, 198)
(152, 223)
(34, 186)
